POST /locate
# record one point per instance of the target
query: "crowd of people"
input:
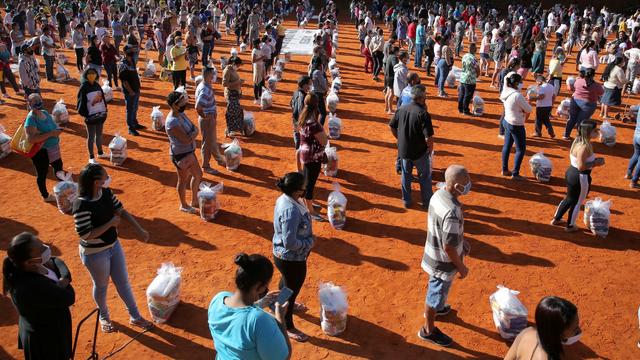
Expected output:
(112, 35)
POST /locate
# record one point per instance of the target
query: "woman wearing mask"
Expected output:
(526, 57)
(578, 175)
(292, 243)
(633, 170)
(97, 213)
(239, 327)
(313, 140)
(41, 128)
(232, 91)
(179, 68)
(557, 326)
(41, 291)
(93, 108)
(257, 60)
(182, 135)
(584, 101)
(444, 66)
(109, 59)
(516, 112)
(77, 37)
(537, 60)
(93, 59)
(616, 82)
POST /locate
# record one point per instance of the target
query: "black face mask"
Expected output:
(182, 108)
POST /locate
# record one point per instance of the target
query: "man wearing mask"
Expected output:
(444, 250)
(128, 75)
(207, 116)
(207, 35)
(28, 68)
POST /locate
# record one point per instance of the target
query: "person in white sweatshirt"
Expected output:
(516, 111)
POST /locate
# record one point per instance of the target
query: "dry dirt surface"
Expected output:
(376, 257)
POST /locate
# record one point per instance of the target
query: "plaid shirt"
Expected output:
(206, 98)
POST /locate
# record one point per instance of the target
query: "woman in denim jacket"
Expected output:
(292, 242)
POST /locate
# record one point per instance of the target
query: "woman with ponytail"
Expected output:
(239, 327)
(586, 92)
(557, 326)
(39, 286)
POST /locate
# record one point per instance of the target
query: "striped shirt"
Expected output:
(445, 228)
(205, 98)
(91, 214)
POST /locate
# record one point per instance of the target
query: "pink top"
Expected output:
(589, 59)
(587, 93)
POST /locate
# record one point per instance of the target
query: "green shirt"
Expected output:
(43, 126)
(468, 75)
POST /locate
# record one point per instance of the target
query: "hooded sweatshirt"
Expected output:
(515, 104)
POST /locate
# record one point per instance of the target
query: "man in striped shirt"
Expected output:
(444, 250)
(207, 114)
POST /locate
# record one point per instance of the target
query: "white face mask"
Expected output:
(179, 44)
(46, 255)
(572, 340)
(107, 182)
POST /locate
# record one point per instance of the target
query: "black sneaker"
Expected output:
(134, 132)
(437, 337)
(140, 127)
(444, 311)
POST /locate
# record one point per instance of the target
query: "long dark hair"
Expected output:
(290, 183)
(89, 174)
(553, 316)
(252, 269)
(310, 109)
(17, 253)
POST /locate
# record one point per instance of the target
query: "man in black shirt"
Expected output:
(128, 75)
(411, 126)
(61, 19)
(297, 105)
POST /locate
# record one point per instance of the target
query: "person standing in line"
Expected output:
(5, 68)
(411, 126)
(444, 66)
(179, 68)
(389, 78)
(130, 81)
(109, 59)
(467, 86)
(633, 170)
(413, 78)
(444, 250)
(207, 119)
(297, 105)
(421, 32)
(77, 37)
(516, 112)
(544, 104)
(93, 58)
(400, 76)
(376, 47)
(93, 108)
(257, 60)
(48, 51)
(232, 84)
(320, 87)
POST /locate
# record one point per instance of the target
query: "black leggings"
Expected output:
(257, 90)
(311, 172)
(94, 136)
(79, 56)
(179, 78)
(293, 275)
(378, 56)
(578, 185)
(41, 162)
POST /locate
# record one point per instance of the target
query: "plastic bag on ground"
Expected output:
(451, 80)
(596, 216)
(150, 70)
(272, 83)
(335, 73)
(570, 81)
(163, 294)
(332, 102)
(208, 200)
(60, 113)
(541, 167)
(62, 73)
(281, 64)
(249, 123)
(333, 64)
(335, 127)
(277, 72)
(331, 166)
(477, 105)
(65, 191)
(223, 62)
(233, 52)
(563, 108)
(607, 134)
(336, 85)
(337, 207)
(287, 56)
(636, 86)
(107, 90)
(633, 109)
(232, 154)
(118, 149)
(509, 314)
(333, 309)
(5, 143)
(157, 119)
(243, 47)
(266, 100)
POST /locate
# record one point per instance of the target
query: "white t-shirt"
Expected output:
(100, 32)
(44, 39)
(562, 29)
(547, 90)
(551, 19)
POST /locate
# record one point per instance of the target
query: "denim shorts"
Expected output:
(437, 292)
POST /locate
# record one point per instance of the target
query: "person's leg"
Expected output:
(128, 101)
(436, 299)
(573, 191)
(99, 267)
(48, 62)
(444, 72)
(196, 177)
(134, 109)
(468, 95)
(538, 122)
(91, 135)
(461, 95)
(506, 147)
(205, 148)
(429, 63)
(120, 279)
(183, 78)
(574, 111)
(583, 187)
(79, 56)
(183, 180)
(418, 57)
(176, 80)
(587, 112)
(99, 128)
(2, 87)
(206, 51)
(293, 276)
(636, 154)
(12, 80)
(41, 163)
(520, 139)
(406, 178)
(546, 114)
(424, 178)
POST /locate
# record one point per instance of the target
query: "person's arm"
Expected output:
(393, 125)
(32, 293)
(33, 135)
(179, 133)
(144, 234)
(428, 132)
(450, 228)
(289, 223)
(272, 341)
(321, 136)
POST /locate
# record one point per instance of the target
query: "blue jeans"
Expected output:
(424, 178)
(105, 264)
(441, 74)
(418, 59)
(579, 111)
(48, 64)
(518, 135)
(465, 93)
(131, 101)
(206, 53)
(633, 163)
(437, 293)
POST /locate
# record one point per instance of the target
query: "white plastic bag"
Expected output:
(232, 154)
(333, 309)
(332, 102)
(636, 86)
(337, 207)
(243, 47)
(163, 294)
(563, 108)
(60, 113)
(5, 143)
(223, 62)
(336, 85)
(509, 314)
(118, 149)
(532, 92)
(331, 166)
(541, 167)
(65, 191)
(335, 73)
(333, 64)
(570, 81)
(266, 100)
(62, 73)
(281, 64)
(272, 83)
(150, 70)
(157, 119)
(634, 109)
(249, 123)
(607, 134)
(233, 52)
(335, 127)
(477, 105)
(208, 200)
(107, 90)
(596, 216)
(277, 72)
(451, 80)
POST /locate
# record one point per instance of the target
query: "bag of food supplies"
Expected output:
(107, 90)
(243, 47)
(477, 105)
(65, 191)
(532, 92)
(596, 216)
(118, 149)
(5, 143)
(60, 113)
(563, 108)
(570, 81)
(634, 109)
(61, 58)
(249, 123)
(333, 309)
(335, 73)
(281, 64)
(223, 62)
(150, 70)
(277, 72)
(272, 83)
(331, 166)
(335, 127)
(232, 154)
(337, 207)
(333, 64)
(636, 86)
(541, 167)
(332, 102)
(62, 73)
(157, 119)
(233, 52)
(336, 85)
(266, 100)
(451, 80)
(163, 294)
(509, 314)
(287, 56)
(208, 200)
(607, 134)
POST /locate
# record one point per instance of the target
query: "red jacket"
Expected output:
(411, 30)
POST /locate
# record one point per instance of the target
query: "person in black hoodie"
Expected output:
(93, 59)
(40, 288)
(93, 108)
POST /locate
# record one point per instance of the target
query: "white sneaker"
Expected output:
(104, 156)
(93, 161)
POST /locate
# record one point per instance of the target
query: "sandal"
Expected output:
(107, 327)
(142, 323)
(297, 335)
(300, 307)
(188, 210)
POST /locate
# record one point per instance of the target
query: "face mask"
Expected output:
(179, 44)
(182, 108)
(572, 340)
(91, 77)
(38, 105)
(107, 182)
(466, 189)
(46, 255)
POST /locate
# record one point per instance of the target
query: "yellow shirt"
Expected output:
(178, 54)
(622, 26)
(555, 68)
(281, 30)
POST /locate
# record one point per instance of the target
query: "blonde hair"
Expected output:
(584, 137)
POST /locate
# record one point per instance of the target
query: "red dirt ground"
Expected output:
(376, 257)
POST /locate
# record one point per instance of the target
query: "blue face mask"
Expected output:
(466, 189)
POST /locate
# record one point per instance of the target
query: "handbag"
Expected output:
(20, 145)
(96, 118)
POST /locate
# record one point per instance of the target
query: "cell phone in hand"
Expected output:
(285, 294)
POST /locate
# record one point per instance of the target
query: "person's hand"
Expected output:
(144, 235)
(63, 282)
(115, 221)
(464, 271)
(466, 247)
(280, 312)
